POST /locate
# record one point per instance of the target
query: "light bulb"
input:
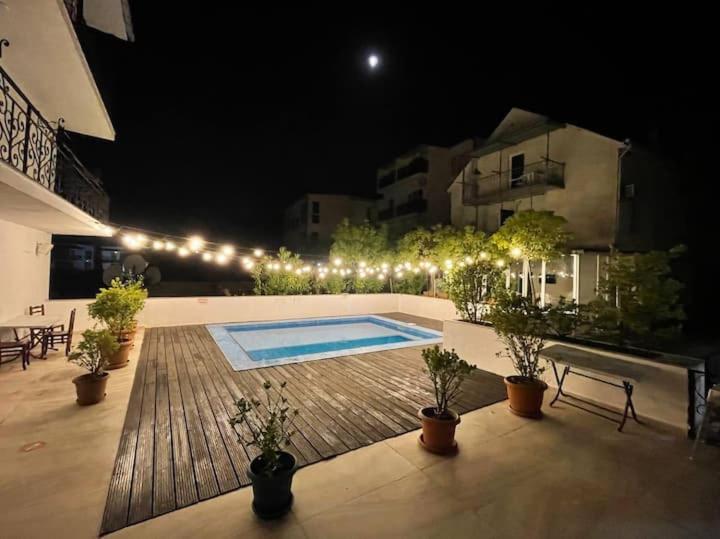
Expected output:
(183, 251)
(169, 246)
(195, 243)
(227, 250)
(258, 252)
(207, 257)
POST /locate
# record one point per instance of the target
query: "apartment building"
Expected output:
(413, 188)
(310, 221)
(614, 195)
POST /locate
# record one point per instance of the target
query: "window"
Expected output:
(505, 215)
(315, 212)
(517, 169)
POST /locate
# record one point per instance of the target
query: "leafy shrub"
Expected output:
(471, 286)
(538, 235)
(94, 351)
(522, 326)
(411, 283)
(447, 373)
(118, 305)
(564, 317)
(268, 424)
(638, 299)
(270, 282)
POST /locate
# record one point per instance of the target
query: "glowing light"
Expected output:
(288, 267)
(227, 250)
(258, 253)
(362, 264)
(373, 61)
(158, 245)
(183, 252)
(337, 261)
(110, 231)
(399, 275)
(483, 255)
(221, 258)
(384, 266)
(207, 257)
(416, 270)
(448, 263)
(468, 260)
(249, 265)
(321, 276)
(246, 260)
(361, 274)
(516, 252)
(195, 243)
(407, 265)
(432, 270)
(306, 269)
(170, 246)
(381, 276)
(298, 271)
(500, 263)
(334, 270)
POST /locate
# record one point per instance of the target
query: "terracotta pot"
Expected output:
(526, 396)
(438, 433)
(90, 388)
(272, 494)
(120, 358)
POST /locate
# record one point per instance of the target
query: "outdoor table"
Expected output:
(40, 324)
(595, 367)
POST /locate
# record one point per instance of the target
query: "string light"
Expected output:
(170, 246)
(207, 257)
(183, 251)
(337, 261)
(221, 258)
(195, 243)
(516, 252)
(258, 253)
(227, 250)
(158, 245)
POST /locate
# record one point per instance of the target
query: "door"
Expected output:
(517, 169)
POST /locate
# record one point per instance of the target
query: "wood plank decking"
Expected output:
(177, 446)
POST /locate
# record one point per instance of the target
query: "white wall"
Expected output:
(661, 396)
(24, 275)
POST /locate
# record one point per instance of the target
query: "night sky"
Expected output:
(226, 115)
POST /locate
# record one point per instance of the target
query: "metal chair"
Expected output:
(13, 349)
(52, 338)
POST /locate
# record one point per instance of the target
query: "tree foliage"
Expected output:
(471, 286)
(94, 350)
(537, 235)
(522, 325)
(117, 305)
(268, 424)
(272, 282)
(447, 373)
(359, 243)
(638, 299)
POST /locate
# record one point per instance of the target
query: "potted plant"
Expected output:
(92, 354)
(522, 325)
(117, 306)
(447, 373)
(267, 425)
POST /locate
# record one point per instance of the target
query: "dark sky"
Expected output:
(225, 115)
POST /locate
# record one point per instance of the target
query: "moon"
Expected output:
(373, 61)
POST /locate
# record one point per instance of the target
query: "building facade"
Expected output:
(614, 196)
(413, 188)
(45, 86)
(310, 222)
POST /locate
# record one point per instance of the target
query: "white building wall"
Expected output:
(24, 274)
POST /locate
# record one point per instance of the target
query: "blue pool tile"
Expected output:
(322, 347)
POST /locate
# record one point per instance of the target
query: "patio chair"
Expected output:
(34, 333)
(13, 349)
(52, 338)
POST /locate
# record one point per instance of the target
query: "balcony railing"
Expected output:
(418, 205)
(28, 142)
(419, 165)
(534, 179)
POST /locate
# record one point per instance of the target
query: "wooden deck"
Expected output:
(178, 448)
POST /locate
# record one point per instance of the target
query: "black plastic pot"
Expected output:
(272, 493)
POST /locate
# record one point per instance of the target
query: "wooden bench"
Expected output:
(590, 365)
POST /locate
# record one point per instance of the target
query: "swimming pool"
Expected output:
(253, 345)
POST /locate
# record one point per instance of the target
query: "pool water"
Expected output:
(261, 344)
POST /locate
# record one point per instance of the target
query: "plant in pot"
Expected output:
(92, 354)
(117, 306)
(267, 425)
(522, 325)
(447, 372)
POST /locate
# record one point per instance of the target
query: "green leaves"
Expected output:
(534, 235)
(447, 372)
(94, 351)
(266, 424)
(118, 305)
(359, 243)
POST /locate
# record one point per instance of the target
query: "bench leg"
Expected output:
(628, 405)
(560, 380)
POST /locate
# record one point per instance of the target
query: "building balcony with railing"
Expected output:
(419, 165)
(513, 184)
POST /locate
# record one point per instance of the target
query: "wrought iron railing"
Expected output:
(28, 142)
(533, 179)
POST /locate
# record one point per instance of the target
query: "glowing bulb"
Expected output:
(298, 271)
(384, 266)
(195, 243)
(432, 270)
(249, 265)
(258, 253)
(158, 245)
(483, 255)
(362, 264)
(321, 276)
(207, 257)
(416, 270)
(169, 246)
(288, 267)
(399, 274)
(334, 270)
(381, 277)
(500, 263)
(306, 269)
(221, 259)
(373, 61)
(361, 274)
(448, 263)
(516, 252)
(468, 260)
(407, 265)
(337, 261)
(183, 251)
(227, 250)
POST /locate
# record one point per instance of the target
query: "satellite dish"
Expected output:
(152, 275)
(135, 264)
(113, 271)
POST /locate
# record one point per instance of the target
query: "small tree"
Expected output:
(273, 279)
(522, 326)
(639, 300)
(270, 430)
(535, 235)
(94, 350)
(447, 373)
(359, 243)
(471, 287)
(117, 305)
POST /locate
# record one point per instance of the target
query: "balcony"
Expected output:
(28, 142)
(536, 179)
(410, 207)
(40, 168)
(419, 165)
